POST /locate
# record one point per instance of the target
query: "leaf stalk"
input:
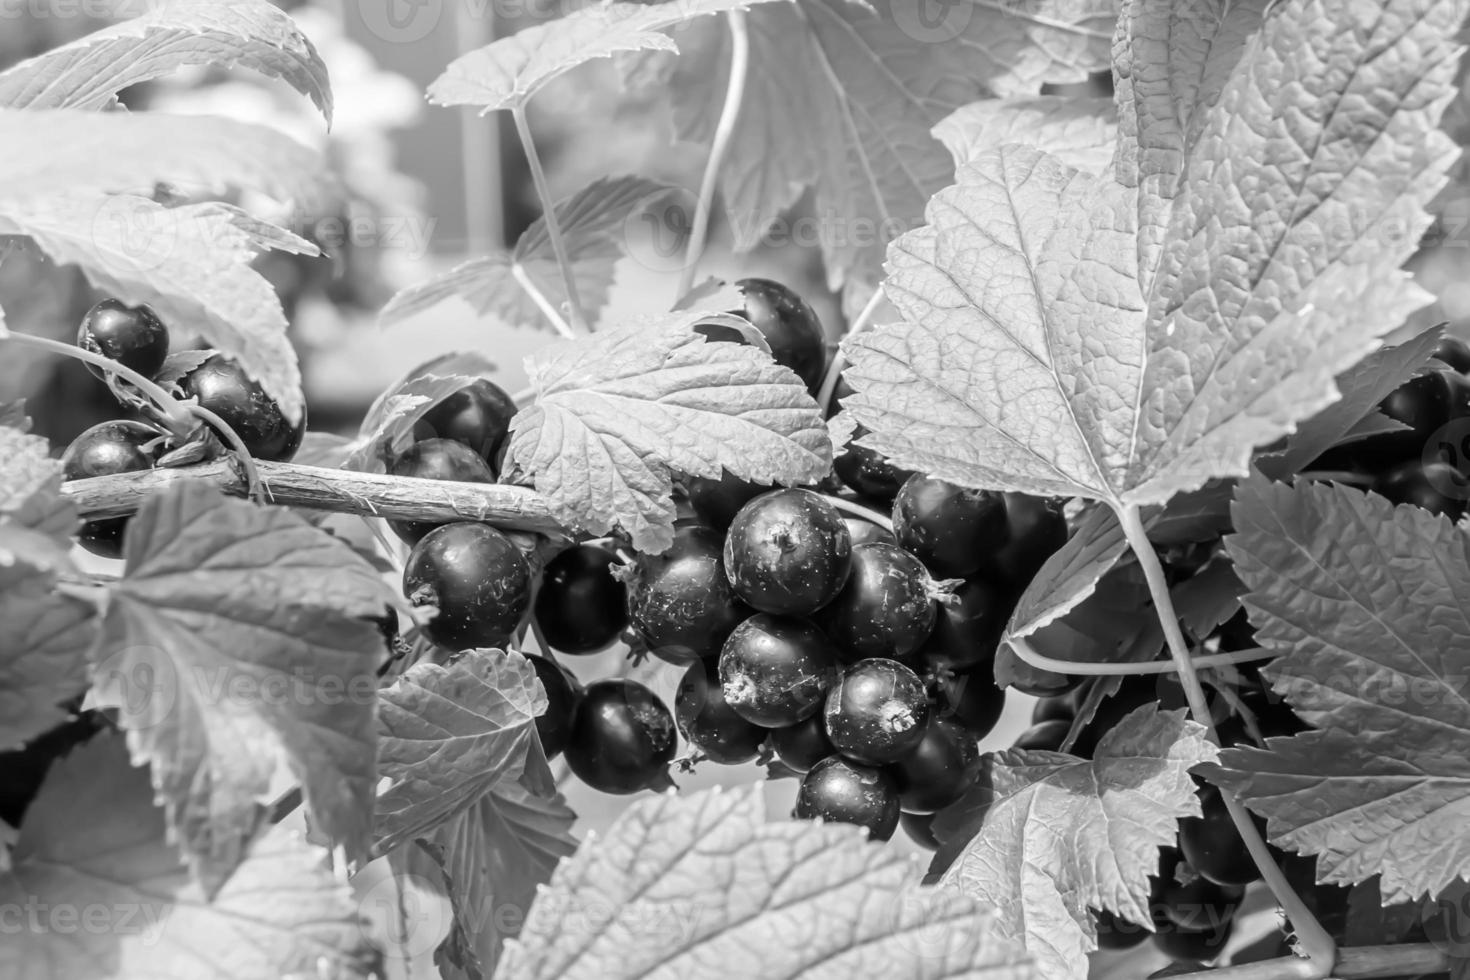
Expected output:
(553, 223)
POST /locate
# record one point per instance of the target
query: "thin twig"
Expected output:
(172, 409)
(1041, 661)
(553, 223)
(233, 440)
(858, 510)
(551, 313)
(839, 362)
(719, 147)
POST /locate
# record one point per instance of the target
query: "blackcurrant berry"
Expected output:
(680, 603)
(866, 532)
(886, 609)
(716, 502)
(972, 699)
(708, 723)
(581, 607)
(1043, 683)
(1038, 529)
(477, 415)
(1423, 403)
(107, 450)
(1454, 352)
(953, 530)
(133, 336)
(776, 670)
(1189, 946)
(1437, 487)
(968, 628)
(1200, 905)
(476, 577)
(844, 791)
(790, 326)
(623, 738)
(437, 459)
(223, 387)
(940, 770)
(1047, 736)
(877, 712)
(1116, 933)
(1213, 846)
(554, 725)
(788, 553)
(803, 744)
(920, 828)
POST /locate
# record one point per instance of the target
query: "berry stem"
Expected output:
(1028, 653)
(549, 311)
(858, 510)
(232, 438)
(553, 223)
(1320, 949)
(839, 361)
(172, 409)
(719, 147)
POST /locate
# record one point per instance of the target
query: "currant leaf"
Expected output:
(1366, 605)
(1066, 834)
(61, 151)
(94, 842)
(286, 673)
(36, 521)
(388, 425)
(43, 662)
(616, 413)
(1027, 328)
(1081, 132)
(191, 264)
(864, 84)
(594, 228)
(1071, 574)
(172, 34)
(506, 73)
(705, 885)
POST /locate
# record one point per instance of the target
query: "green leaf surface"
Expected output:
(191, 264)
(1080, 131)
(36, 522)
(1367, 606)
(61, 151)
(1071, 574)
(595, 225)
(233, 644)
(863, 84)
(387, 428)
(617, 412)
(707, 886)
(43, 661)
(171, 34)
(1066, 834)
(1034, 357)
(94, 862)
(506, 73)
(447, 735)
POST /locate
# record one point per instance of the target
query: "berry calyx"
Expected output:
(940, 770)
(108, 449)
(221, 385)
(877, 713)
(841, 790)
(582, 606)
(953, 530)
(707, 721)
(436, 459)
(622, 739)
(476, 577)
(477, 415)
(775, 671)
(680, 603)
(554, 725)
(133, 336)
(788, 553)
(886, 609)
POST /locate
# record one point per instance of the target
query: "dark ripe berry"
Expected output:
(868, 473)
(1043, 683)
(581, 607)
(886, 609)
(1038, 529)
(223, 387)
(1053, 709)
(877, 712)
(680, 603)
(107, 450)
(1116, 933)
(1213, 846)
(1437, 487)
(789, 325)
(1047, 736)
(775, 670)
(554, 725)
(969, 626)
(1183, 945)
(131, 335)
(920, 828)
(866, 532)
(623, 738)
(437, 459)
(844, 791)
(1454, 352)
(972, 699)
(716, 502)
(953, 530)
(477, 415)
(1423, 403)
(788, 553)
(478, 579)
(941, 770)
(803, 744)
(708, 723)
(1200, 905)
